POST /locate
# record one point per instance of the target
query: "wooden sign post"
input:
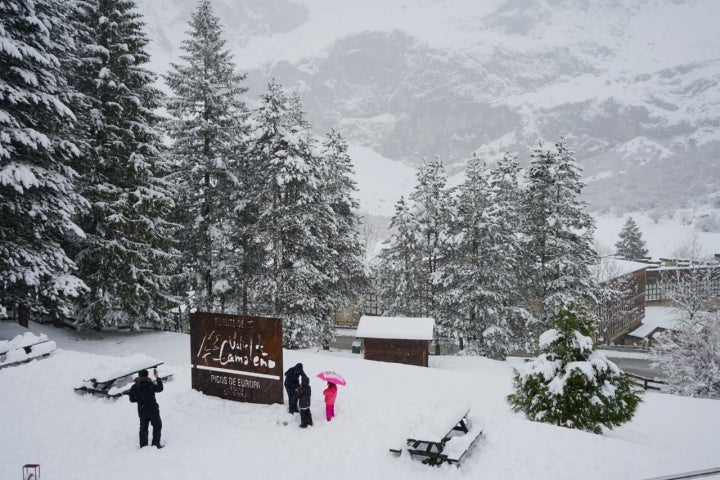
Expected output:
(237, 357)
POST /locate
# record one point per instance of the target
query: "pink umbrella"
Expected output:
(332, 377)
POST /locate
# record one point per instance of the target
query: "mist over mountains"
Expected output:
(633, 85)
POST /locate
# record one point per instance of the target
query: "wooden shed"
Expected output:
(396, 339)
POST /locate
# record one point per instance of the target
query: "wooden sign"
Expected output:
(237, 357)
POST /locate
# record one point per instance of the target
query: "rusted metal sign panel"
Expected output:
(237, 357)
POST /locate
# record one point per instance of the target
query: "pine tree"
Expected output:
(504, 181)
(127, 251)
(466, 296)
(479, 277)
(346, 257)
(432, 209)
(631, 245)
(38, 198)
(409, 272)
(559, 233)
(295, 220)
(570, 384)
(412, 255)
(208, 130)
(398, 272)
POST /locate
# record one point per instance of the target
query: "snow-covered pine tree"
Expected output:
(346, 250)
(504, 181)
(570, 384)
(295, 221)
(408, 275)
(432, 206)
(397, 272)
(689, 355)
(208, 130)
(126, 254)
(476, 276)
(630, 243)
(559, 233)
(38, 198)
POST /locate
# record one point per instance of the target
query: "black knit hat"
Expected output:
(143, 373)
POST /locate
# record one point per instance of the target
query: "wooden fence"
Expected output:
(645, 383)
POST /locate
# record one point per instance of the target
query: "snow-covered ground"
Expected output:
(83, 437)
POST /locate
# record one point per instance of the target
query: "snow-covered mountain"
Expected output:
(634, 85)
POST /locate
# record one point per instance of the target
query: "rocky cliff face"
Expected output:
(634, 86)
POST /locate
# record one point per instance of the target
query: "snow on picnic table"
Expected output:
(13, 350)
(439, 419)
(23, 340)
(82, 437)
(111, 368)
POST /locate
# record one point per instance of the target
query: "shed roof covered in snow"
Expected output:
(402, 328)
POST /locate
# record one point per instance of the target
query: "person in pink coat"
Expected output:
(330, 394)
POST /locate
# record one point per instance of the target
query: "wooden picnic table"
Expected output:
(459, 446)
(443, 436)
(441, 422)
(24, 348)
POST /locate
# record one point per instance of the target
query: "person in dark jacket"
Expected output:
(304, 404)
(143, 393)
(293, 377)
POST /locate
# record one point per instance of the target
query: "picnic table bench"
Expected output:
(114, 385)
(445, 436)
(24, 348)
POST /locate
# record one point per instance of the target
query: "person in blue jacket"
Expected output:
(293, 378)
(143, 393)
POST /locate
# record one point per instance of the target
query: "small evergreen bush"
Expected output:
(570, 384)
